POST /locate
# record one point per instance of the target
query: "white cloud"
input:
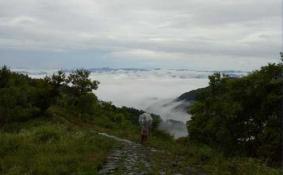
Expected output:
(159, 29)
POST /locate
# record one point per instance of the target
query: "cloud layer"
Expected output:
(242, 34)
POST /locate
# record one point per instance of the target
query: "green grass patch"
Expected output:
(52, 149)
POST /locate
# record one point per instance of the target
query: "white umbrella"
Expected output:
(145, 120)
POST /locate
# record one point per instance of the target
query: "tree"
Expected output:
(81, 82)
(57, 79)
(241, 115)
(4, 76)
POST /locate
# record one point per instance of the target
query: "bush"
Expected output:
(241, 116)
(47, 134)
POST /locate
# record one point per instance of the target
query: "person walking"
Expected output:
(145, 121)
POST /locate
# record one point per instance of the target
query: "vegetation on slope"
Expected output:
(242, 116)
(50, 126)
(191, 95)
(43, 147)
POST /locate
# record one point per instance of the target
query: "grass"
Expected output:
(182, 156)
(74, 147)
(52, 148)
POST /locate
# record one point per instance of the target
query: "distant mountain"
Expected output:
(107, 69)
(191, 95)
(184, 101)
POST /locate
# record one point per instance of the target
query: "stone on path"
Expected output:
(134, 159)
(131, 158)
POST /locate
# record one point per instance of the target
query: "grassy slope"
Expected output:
(65, 139)
(183, 156)
(43, 147)
(52, 147)
(195, 158)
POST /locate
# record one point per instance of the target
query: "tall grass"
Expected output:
(52, 149)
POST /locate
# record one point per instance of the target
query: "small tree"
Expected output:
(81, 82)
(58, 79)
(5, 73)
(214, 81)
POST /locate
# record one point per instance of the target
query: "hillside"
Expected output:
(241, 116)
(191, 95)
(54, 126)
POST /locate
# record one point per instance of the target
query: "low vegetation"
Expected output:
(43, 147)
(51, 125)
(242, 116)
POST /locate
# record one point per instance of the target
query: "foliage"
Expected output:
(49, 126)
(50, 149)
(81, 83)
(23, 98)
(241, 116)
(62, 108)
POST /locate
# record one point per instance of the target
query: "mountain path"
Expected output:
(135, 159)
(131, 158)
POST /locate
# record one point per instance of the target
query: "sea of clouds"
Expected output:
(142, 88)
(152, 90)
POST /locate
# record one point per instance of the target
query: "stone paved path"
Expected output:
(134, 159)
(131, 158)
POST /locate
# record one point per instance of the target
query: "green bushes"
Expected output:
(47, 134)
(189, 157)
(23, 98)
(241, 116)
(80, 82)
(15, 104)
(37, 121)
(46, 126)
(60, 96)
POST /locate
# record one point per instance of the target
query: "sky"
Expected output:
(192, 34)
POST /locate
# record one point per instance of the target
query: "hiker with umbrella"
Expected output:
(145, 121)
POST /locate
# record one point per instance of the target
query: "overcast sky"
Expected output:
(194, 34)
